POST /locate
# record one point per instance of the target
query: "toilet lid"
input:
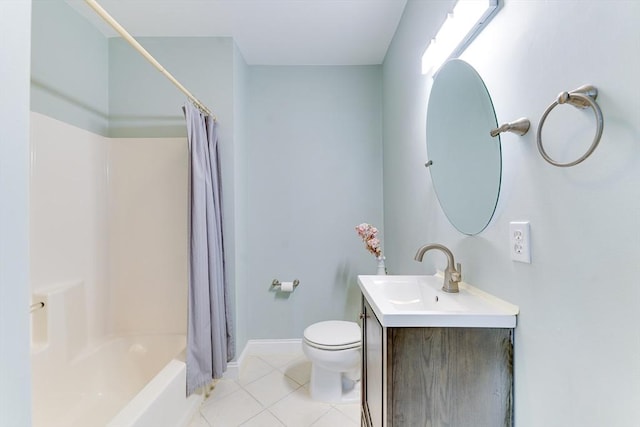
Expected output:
(333, 333)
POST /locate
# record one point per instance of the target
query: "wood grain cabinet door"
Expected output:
(372, 352)
(451, 377)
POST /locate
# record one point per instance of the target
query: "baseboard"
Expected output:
(261, 347)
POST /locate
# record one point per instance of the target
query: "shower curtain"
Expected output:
(210, 344)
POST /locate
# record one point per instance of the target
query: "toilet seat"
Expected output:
(333, 335)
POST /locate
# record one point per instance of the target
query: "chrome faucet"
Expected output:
(452, 275)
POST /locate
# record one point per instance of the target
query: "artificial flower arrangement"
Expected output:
(369, 235)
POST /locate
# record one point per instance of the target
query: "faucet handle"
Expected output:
(456, 275)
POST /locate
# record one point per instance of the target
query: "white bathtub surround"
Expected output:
(109, 259)
(135, 378)
(59, 328)
(97, 384)
(147, 204)
(161, 402)
(98, 203)
(68, 219)
(272, 390)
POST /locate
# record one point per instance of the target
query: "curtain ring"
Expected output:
(579, 100)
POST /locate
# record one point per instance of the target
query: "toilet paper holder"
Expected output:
(276, 284)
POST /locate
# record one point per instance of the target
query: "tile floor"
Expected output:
(272, 390)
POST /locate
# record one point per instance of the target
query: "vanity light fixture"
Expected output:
(462, 25)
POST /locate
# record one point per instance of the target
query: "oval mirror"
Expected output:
(466, 160)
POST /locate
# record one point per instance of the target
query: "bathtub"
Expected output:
(126, 381)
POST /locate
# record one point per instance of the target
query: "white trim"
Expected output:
(265, 346)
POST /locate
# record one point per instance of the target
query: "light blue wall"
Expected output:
(239, 271)
(314, 173)
(69, 67)
(323, 125)
(81, 77)
(577, 341)
(142, 102)
(15, 371)
(410, 206)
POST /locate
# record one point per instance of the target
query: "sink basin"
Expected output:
(400, 301)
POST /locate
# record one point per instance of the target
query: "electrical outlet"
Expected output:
(520, 241)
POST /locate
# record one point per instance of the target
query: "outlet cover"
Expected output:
(520, 241)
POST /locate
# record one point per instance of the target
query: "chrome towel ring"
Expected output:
(582, 97)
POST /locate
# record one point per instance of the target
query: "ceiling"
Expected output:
(267, 32)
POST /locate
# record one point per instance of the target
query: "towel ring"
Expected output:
(582, 97)
(519, 127)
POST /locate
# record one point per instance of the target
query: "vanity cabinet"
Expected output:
(435, 376)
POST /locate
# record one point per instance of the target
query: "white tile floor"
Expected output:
(272, 391)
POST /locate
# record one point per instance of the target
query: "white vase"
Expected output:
(382, 270)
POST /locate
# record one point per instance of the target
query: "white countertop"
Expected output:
(419, 301)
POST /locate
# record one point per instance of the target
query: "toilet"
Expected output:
(334, 349)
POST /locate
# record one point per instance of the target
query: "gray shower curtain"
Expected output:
(210, 344)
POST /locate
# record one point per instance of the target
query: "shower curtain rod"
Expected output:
(137, 46)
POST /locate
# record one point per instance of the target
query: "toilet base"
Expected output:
(351, 394)
(333, 387)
